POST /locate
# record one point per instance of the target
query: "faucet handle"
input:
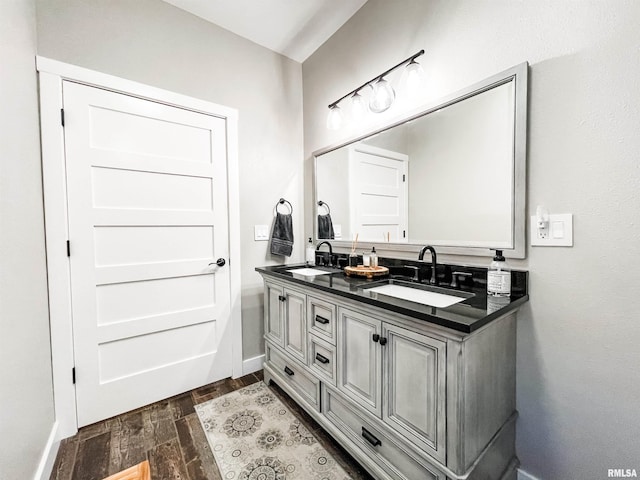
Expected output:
(416, 272)
(455, 275)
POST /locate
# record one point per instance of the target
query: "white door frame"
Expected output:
(51, 75)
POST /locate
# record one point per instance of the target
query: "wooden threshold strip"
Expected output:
(137, 472)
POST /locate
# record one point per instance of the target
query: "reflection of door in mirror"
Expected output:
(378, 194)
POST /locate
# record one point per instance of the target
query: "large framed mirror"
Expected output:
(452, 175)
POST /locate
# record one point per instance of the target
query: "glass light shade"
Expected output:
(382, 96)
(414, 78)
(334, 119)
(359, 107)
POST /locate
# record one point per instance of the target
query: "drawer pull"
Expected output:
(375, 337)
(369, 437)
(322, 358)
(288, 371)
(322, 320)
(282, 298)
(383, 341)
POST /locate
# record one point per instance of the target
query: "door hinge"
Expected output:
(62, 116)
(404, 234)
(73, 375)
(404, 177)
(68, 248)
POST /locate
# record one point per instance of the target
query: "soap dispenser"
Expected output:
(373, 258)
(310, 254)
(499, 277)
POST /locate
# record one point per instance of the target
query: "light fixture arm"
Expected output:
(377, 77)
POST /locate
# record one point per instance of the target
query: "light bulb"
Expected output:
(414, 78)
(359, 107)
(382, 96)
(334, 119)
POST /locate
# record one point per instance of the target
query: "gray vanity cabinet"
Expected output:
(274, 313)
(410, 366)
(359, 359)
(408, 399)
(414, 374)
(295, 324)
(286, 320)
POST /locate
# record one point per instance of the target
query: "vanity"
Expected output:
(412, 391)
(416, 381)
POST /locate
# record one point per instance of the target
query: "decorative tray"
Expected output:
(368, 272)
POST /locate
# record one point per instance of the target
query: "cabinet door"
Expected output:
(415, 371)
(295, 325)
(274, 313)
(359, 363)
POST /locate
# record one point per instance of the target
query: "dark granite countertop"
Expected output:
(466, 316)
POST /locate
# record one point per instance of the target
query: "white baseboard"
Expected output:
(48, 455)
(253, 364)
(522, 475)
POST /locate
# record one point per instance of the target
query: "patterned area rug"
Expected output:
(254, 436)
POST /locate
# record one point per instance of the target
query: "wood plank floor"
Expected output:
(169, 435)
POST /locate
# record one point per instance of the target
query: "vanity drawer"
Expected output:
(388, 452)
(291, 372)
(323, 359)
(322, 319)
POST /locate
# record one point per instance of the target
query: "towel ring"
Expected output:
(321, 203)
(282, 201)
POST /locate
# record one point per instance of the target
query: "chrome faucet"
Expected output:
(434, 279)
(330, 251)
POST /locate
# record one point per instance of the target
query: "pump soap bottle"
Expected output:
(373, 258)
(499, 277)
(310, 254)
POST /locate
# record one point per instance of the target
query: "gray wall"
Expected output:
(152, 42)
(26, 392)
(578, 355)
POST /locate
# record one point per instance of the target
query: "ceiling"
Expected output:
(293, 28)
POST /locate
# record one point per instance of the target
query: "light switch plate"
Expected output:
(559, 233)
(261, 233)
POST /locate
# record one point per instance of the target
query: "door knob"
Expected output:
(220, 262)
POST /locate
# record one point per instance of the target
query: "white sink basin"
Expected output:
(308, 272)
(439, 300)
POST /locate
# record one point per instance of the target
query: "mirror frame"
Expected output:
(518, 74)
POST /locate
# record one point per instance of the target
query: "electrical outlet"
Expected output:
(542, 233)
(557, 232)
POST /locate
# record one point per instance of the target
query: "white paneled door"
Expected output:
(379, 206)
(148, 231)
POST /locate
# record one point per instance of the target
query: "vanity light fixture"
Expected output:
(359, 107)
(414, 77)
(334, 120)
(382, 96)
(382, 93)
